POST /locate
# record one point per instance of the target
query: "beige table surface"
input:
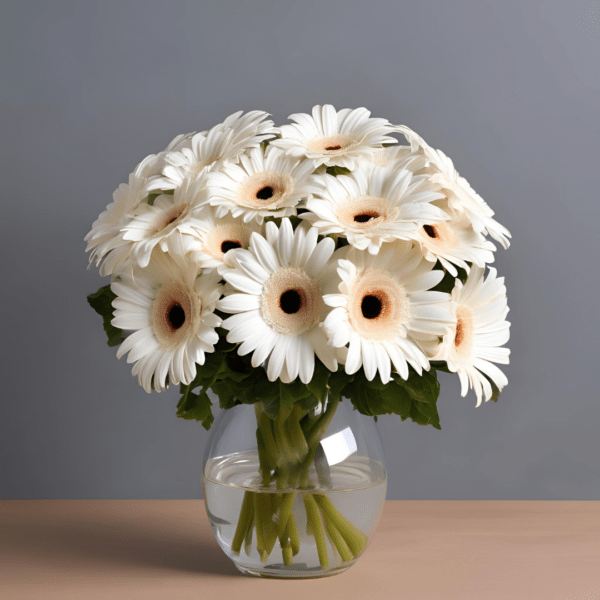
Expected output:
(423, 550)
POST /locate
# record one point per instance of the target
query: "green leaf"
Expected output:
(226, 394)
(318, 383)
(290, 393)
(421, 387)
(338, 382)
(101, 302)
(233, 379)
(448, 283)
(153, 197)
(308, 403)
(196, 407)
(295, 221)
(440, 365)
(335, 171)
(413, 399)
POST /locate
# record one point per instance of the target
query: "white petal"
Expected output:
(236, 303)
(243, 283)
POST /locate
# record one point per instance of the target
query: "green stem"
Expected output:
(265, 506)
(353, 536)
(271, 503)
(246, 516)
(285, 513)
(266, 429)
(296, 434)
(287, 553)
(294, 537)
(314, 517)
(314, 439)
(249, 531)
(338, 541)
(263, 459)
(260, 526)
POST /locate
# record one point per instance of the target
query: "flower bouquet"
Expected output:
(290, 267)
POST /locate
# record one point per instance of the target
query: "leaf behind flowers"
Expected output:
(101, 302)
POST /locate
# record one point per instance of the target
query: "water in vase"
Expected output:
(353, 491)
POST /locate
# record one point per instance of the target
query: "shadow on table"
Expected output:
(120, 542)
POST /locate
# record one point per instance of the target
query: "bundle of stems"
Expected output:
(287, 446)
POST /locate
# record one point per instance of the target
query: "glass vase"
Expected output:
(295, 496)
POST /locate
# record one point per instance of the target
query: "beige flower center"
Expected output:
(291, 302)
(332, 145)
(225, 237)
(378, 305)
(365, 212)
(173, 314)
(463, 337)
(264, 190)
(172, 216)
(439, 237)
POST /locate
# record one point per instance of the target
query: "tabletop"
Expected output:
(422, 550)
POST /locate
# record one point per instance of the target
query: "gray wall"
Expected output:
(510, 90)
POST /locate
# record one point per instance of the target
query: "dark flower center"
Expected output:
(364, 217)
(176, 316)
(174, 216)
(229, 245)
(265, 193)
(290, 302)
(336, 147)
(371, 307)
(430, 231)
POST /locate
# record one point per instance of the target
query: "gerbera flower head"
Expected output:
(261, 185)
(461, 196)
(374, 206)
(474, 342)
(383, 310)
(170, 216)
(454, 242)
(278, 305)
(215, 237)
(333, 137)
(170, 311)
(209, 150)
(108, 248)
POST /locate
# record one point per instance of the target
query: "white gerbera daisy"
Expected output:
(461, 196)
(373, 206)
(170, 311)
(261, 185)
(454, 242)
(109, 250)
(279, 304)
(333, 137)
(171, 215)
(217, 236)
(179, 142)
(209, 150)
(383, 310)
(481, 328)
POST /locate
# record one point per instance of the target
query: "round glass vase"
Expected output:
(296, 496)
